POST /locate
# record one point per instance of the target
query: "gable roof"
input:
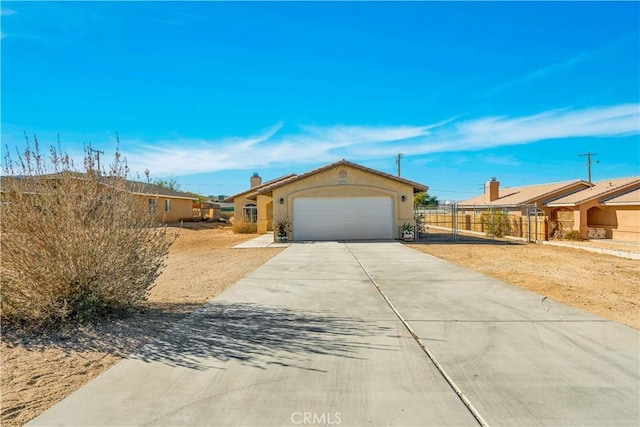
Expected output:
(417, 187)
(249, 192)
(601, 190)
(528, 194)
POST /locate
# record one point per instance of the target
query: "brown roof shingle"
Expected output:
(600, 190)
(416, 186)
(528, 194)
(629, 198)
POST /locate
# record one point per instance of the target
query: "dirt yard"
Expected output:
(39, 371)
(604, 285)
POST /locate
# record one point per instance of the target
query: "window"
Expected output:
(153, 206)
(250, 213)
(167, 205)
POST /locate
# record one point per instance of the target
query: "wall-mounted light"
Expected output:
(404, 198)
(281, 201)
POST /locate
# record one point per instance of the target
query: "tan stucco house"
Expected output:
(606, 209)
(339, 201)
(168, 205)
(511, 198)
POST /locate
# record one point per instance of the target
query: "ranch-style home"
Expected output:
(339, 201)
(606, 209)
(166, 204)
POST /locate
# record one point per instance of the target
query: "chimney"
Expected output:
(492, 190)
(255, 180)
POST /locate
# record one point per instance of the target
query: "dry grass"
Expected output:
(244, 228)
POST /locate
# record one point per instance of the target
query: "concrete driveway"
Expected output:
(308, 339)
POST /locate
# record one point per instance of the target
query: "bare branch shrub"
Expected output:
(75, 245)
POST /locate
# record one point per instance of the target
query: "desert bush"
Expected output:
(76, 245)
(244, 227)
(572, 235)
(496, 223)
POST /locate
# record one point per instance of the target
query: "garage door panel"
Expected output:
(343, 218)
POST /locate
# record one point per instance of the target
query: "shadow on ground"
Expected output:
(119, 335)
(259, 336)
(448, 238)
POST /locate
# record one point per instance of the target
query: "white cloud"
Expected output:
(314, 144)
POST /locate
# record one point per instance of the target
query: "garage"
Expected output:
(338, 201)
(343, 218)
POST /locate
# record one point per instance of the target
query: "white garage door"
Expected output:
(346, 218)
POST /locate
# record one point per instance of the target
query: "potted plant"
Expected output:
(280, 230)
(407, 232)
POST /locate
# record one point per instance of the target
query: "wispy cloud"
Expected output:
(313, 144)
(7, 12)
(560, 66)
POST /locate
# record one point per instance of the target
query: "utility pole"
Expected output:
(588, 156)
(398, 162)
(98, 152)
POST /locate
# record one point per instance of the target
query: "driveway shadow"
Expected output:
(259, 336)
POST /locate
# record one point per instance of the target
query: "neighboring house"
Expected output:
(340, 201)
(205, 210)
(606, 209)
(168, 205)
(513, 198)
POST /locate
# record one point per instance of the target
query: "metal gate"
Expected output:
(436, 223)
(470, 222)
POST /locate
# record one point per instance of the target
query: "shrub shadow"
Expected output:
(119, 335)
(259, 336)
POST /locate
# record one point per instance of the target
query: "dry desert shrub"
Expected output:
(244, 227)
(76, 245)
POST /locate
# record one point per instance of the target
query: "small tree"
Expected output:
(424, 199)
(170, 184)
(76, 245)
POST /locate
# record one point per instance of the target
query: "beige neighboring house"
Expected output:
(512, 198)
(607, 209)
(168, 205)
(339, 201)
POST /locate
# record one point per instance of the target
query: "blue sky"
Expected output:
(210, 92)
